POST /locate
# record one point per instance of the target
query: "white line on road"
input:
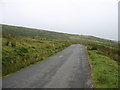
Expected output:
(61, 56)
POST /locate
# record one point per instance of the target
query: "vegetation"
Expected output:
(20, 52)
(22, 47)
(104, 70)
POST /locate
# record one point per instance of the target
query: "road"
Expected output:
(67, 69)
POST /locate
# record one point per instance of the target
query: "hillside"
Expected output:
(33, 32)
(99, 43)
(22, 47)
(38, 33)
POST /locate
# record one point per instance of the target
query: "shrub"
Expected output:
(22, 49)
(92, 48)
(7, 43)
(13, 43)
(33, 47)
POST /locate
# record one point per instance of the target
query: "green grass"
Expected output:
(105, 46)
(104, 70)
(26, 51)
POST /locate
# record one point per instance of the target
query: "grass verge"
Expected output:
(104, 70)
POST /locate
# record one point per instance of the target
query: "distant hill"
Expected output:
(49, 34)
(33, 32)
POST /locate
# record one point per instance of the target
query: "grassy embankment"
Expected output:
(104, 59)
(104, 70)
(20, 52)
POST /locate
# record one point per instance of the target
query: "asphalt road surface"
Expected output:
(67, 69)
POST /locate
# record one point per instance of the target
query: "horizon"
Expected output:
(56, 31)
(97, 18)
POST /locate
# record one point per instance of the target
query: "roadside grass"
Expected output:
(21, 52)
(104, 70)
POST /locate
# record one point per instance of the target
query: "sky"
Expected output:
(84, 17)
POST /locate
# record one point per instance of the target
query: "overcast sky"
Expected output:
(84, 17)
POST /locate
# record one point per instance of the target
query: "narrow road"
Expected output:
(67, 69)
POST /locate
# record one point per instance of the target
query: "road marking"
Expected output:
(61, 56)
(73, 45)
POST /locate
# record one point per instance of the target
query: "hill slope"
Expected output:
(49, 34)
(91, 41)
(33, 32)
(22, 47)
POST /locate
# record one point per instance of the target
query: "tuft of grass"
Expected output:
(104, 70)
